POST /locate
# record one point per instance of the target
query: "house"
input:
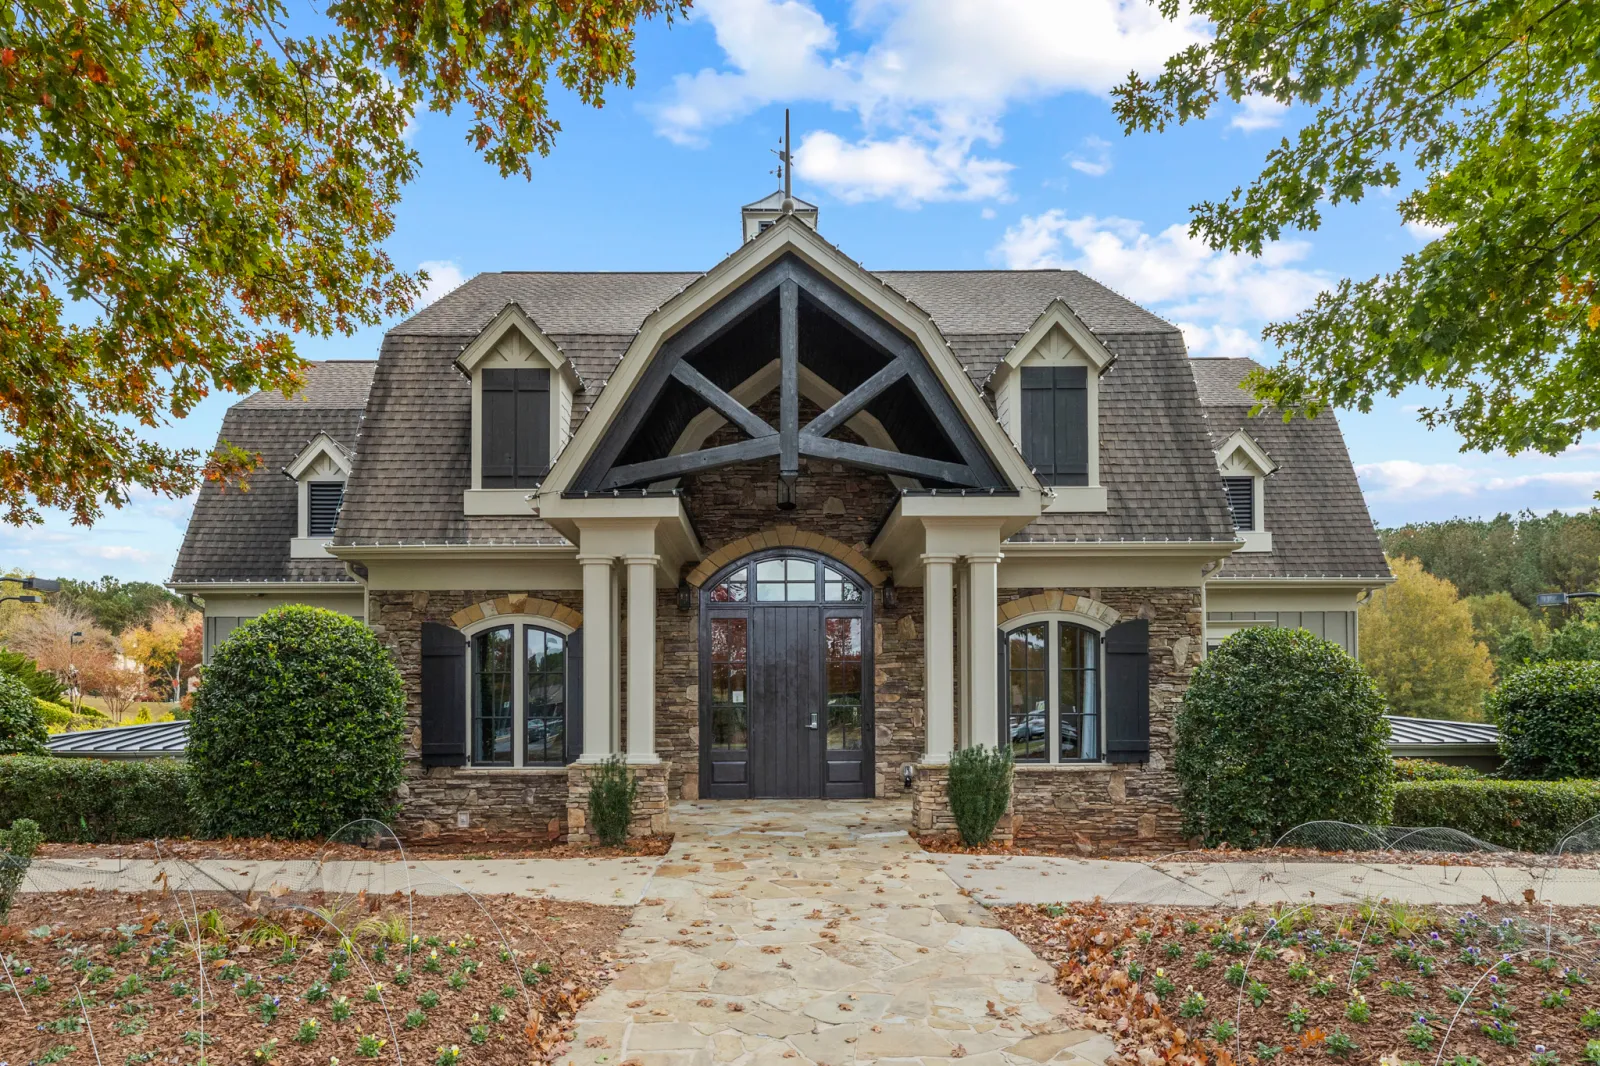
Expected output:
(787, 528)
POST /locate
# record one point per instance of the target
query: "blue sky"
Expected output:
(933, 134)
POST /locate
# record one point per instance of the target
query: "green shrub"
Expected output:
(1428, 770)
(95, 801)
(59, 719)
(46, 686)
(1549, 718)
(298, 728)
(21, 731)
(1522, 815)
(17, 846)
(1280, 727)
(980, 791)
(612, 791)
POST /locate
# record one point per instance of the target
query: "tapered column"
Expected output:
(642, 657)
(599, 739)
(938, 642)
(983, 581)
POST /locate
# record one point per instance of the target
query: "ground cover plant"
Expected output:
(1361, 983)
(296, 978)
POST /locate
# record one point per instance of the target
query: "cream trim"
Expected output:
(310, 548)
(1257, 455)
(518, 606)
(1077, 499)
(1057, 313)
(519, 502)
(1256, 540)
(789, 236)
(321, 444)
(490, 343)
(512, 316)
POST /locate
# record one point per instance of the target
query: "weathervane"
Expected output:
(785, 166)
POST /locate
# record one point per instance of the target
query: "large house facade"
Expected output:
(787, 528)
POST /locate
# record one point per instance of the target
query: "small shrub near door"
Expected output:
(1280, 727)
(298, 728)
(612, 791)
(1549, 719)
(22, 732)
(980, 791)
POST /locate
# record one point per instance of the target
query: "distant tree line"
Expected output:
(1522, 556)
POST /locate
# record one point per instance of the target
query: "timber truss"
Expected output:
(792, 280)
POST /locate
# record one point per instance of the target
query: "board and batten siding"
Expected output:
(1337, 626)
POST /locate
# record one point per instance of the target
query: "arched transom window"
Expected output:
(1051, 714)
(787, 580)
(519, 680)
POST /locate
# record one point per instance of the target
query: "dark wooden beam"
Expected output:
(788, 392)
(689, 463)
(725, 405)
(889, 462)
(859, 397)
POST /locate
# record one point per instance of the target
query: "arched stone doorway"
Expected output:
(786, 679)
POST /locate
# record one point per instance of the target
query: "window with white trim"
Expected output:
(1052, 680)
(518, 699)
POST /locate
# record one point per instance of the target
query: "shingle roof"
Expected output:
(150, 741)
(1313, 504)
(242, 532)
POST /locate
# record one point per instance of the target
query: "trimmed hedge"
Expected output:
(1549, 718)
(298, 727)
(59, 719)
(22, 732)
(91, 801)
(1521, 815)
(1428, 770)
(1280, 727)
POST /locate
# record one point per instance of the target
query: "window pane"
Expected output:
(1027, 710)
(545, 692)
(836, 588)
(492, 694)
(732, 589)
(769, 570)
(730, 711)
(843, 636)
(802, 570)
(1079, 692)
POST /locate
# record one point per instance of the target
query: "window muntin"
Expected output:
(842, 638)
(786, 581)
(1241, 501)
(508, 700)
(493, 696)
(515, 435)
(323, 500)
(1052, 672)
(730, 706)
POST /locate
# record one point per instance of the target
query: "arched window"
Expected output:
(519, 696)
(1051, 671)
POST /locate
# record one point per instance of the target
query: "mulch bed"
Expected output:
(1575, 861)
(500, 982)
(270, 850)
(1367, 984)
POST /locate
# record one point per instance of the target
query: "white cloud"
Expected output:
(1213, 295)
(1427, 231)
(1406, 479)
(443, 275)
(1258, 113)
(118, 552)
(931, 86)
(1095, 160)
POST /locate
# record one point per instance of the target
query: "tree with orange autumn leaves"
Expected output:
(185, 186)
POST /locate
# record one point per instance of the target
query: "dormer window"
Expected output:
(1245, 467)
(1241, 501)
(320, 471)
(515, 428)
(323, 500)
(1055, 423)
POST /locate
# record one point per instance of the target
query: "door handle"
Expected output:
(813, 724)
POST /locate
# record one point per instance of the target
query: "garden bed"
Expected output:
(497, 977)
(1262, 856)
(269, 849)
(1329, 984)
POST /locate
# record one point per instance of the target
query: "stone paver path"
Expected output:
(817, 932)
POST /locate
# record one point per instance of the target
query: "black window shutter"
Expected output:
(1004, 702)
(323, 500)
(499, 429)
(533, 426)
(1038, 421)
(444, 696)
(1055, 423)
(1128, 692)
(574, 730)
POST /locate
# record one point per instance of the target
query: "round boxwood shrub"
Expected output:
(1549, 718)
(297, 727)
(1280, 727)
(22, 731)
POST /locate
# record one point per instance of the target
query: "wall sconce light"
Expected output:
(685, 595)
(890, 600)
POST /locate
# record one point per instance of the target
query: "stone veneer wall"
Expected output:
(649, 802)
(496, 803)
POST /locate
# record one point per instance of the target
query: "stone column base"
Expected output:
(649, 804)
(931, 818)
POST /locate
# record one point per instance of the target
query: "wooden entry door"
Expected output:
(785, 668)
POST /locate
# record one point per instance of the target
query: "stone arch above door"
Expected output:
(788, 537)
(518, 604)
(1056, 600)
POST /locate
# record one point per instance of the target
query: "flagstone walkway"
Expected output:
(818, 932)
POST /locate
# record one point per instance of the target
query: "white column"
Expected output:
(938, 642)
(983, 581)
(599, 742)
(642, 657)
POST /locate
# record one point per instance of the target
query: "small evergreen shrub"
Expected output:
(96, 801)
(980, 791)
(59, 719)
(17, 846)
(44, 685)
(1549, 719)
(298, 728)
(1280, 727)
(612, 791)
(21, 730)
(1521, 815)
(1428, 770)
